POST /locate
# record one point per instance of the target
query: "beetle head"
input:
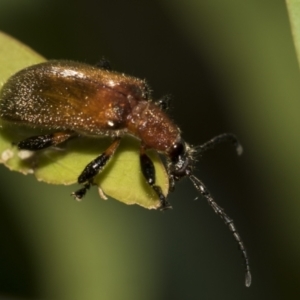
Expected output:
(181, 159)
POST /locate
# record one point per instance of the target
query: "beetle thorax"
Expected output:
(152, 126)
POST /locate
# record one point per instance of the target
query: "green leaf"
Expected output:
(294, 15)
(121, 179)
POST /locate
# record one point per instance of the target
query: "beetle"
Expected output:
(72, 99)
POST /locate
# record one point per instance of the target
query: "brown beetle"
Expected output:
(71, 99)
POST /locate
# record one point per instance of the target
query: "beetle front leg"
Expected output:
(94, 167)
(148, 171)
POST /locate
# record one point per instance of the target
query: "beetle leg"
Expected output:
(171, 182)
(94, 167)
(148, 171)
(164, 102)
(81, 192)
(39, 142)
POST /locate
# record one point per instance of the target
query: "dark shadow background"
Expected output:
(231, 67)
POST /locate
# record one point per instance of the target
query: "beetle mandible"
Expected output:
(71, 99)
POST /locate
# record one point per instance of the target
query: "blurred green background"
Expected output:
(231, 66)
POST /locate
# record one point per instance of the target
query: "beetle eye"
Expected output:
(178, 150)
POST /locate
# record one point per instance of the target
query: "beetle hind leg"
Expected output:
(39, 142)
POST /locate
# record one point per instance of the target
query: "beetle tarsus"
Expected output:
(164, 204)
(79, 194)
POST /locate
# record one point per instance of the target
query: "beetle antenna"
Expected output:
(225, 137)
(227, 220)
